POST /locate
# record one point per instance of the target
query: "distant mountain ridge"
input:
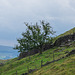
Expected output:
(7, 52)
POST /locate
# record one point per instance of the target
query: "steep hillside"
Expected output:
(64, 66)
(51, 62)
(68, 32)
(34, 62)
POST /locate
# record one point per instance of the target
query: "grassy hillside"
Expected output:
(34, 61)
(66, 33)
(65, 66)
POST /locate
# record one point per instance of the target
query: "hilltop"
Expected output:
(34, 64)
(71, 31)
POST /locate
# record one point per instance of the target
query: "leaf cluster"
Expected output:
(35, 36)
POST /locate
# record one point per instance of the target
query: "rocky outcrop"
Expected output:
(64, 40)
(1, 64)
(34, 51)
(59, 42)
(25, 54)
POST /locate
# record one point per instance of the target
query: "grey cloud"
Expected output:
(13, 14)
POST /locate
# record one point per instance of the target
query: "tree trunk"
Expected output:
(40, 51)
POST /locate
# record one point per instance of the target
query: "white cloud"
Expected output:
(13, 14)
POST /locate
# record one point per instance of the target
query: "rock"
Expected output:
(34, 51)
(31, 70)
(24, 74)
(64, 40)
(1, 64)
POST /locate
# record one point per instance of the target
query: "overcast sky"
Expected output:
(13, 13)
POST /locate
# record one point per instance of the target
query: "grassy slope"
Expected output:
(62, 67)
(66, 33)
(20, 66)
(65, 66)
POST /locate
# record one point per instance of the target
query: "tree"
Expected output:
(35, 36)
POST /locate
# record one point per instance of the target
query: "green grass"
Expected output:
(64, 66)
(34, 61)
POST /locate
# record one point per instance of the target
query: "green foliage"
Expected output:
(35, 37)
